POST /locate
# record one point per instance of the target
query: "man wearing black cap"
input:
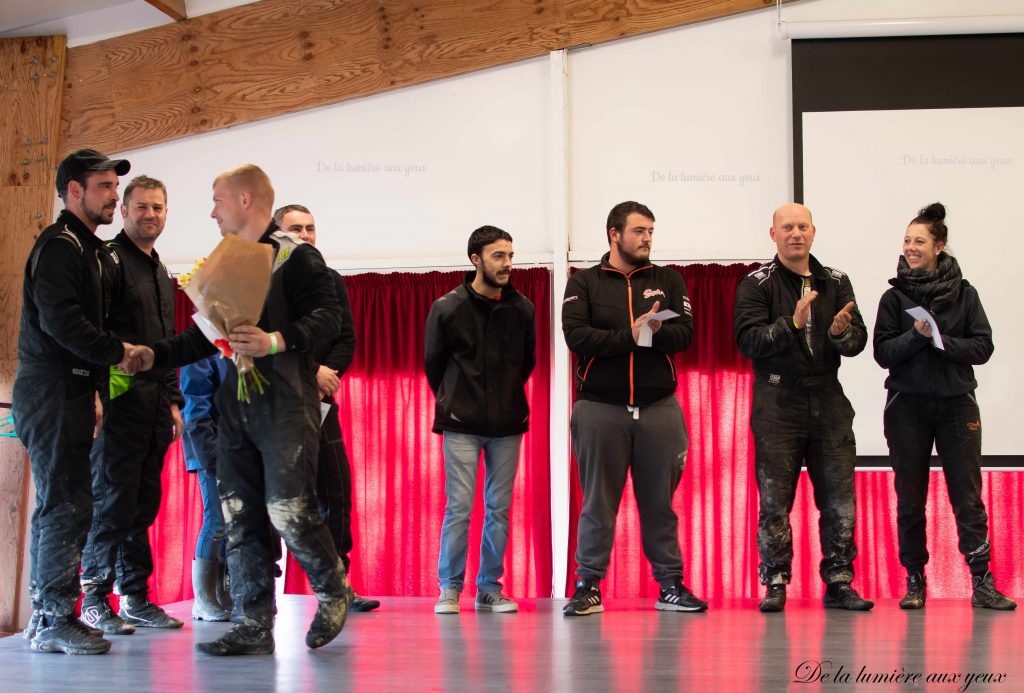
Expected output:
(63, 354)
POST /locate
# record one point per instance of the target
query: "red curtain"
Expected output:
(399, 480)
(387, 410)
(386, 414)
(717, 501)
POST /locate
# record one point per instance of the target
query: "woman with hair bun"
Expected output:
(931, 400)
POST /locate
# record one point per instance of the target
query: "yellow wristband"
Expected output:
(273, 343)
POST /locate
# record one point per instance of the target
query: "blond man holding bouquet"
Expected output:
(268, 440)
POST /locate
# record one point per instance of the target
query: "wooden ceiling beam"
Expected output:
(175, 9)
(281, 56)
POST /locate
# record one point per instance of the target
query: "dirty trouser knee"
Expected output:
(54, 417)
(266, 467)
(831, 466)
(793, 426)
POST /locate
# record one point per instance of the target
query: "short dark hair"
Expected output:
(934, 218)
(483, 236)
(281, 211)
(620, 212)
(146, 183)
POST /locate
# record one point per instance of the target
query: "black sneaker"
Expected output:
(363, 604)
(774, 599)
(240, 640)
(914, 598)
(138, 611)
(36, 618)
(986, 596)
(587, 599)
(678, 598)
(91, 629)
(33, 625)
(98, 614)
(841, 595)
(328, 621)
(68, 635)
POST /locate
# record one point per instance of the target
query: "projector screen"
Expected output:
(883, 127)
(866, 173)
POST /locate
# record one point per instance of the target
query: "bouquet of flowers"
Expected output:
(229, 289)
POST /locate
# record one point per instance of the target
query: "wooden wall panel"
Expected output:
(88, 97)
(282, 56)
(31, 78)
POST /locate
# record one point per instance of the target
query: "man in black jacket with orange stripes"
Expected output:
(626, 415)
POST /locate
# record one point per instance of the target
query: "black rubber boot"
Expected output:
(205, 606)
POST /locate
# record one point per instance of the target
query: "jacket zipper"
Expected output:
(629, 300)
(629, 297)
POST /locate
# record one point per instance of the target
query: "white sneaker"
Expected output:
(448, 603)
(496, 602)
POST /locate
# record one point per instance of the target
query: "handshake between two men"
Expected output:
(246, 340)
(136, 358)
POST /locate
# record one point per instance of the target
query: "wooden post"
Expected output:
(31, 80)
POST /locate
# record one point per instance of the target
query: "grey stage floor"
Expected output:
(631, 647)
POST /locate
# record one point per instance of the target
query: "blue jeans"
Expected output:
(461, 455)
(210, 543)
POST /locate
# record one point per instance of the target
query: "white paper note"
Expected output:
(324, 408)
(646, 335)
(919, 313)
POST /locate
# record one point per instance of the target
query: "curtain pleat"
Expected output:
(386, 415)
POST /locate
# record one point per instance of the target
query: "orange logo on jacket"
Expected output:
(974, 426)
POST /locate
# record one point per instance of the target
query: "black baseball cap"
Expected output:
(83, 161)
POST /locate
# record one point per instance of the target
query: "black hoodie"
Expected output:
(478, 354)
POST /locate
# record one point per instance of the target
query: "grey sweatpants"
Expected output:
(608, 440)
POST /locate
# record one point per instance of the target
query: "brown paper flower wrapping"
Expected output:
(229, 289)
